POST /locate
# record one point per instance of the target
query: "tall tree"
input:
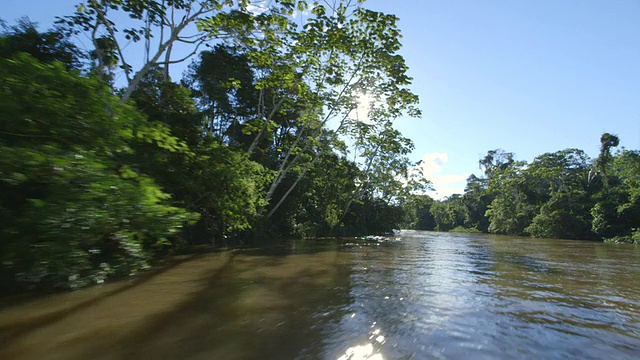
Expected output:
(563, 195)
(222, 82)
(607, 142)
(495, 161)
(617, 209)
(417, 213)
(309, 78)
(477, 199)
(210, 178)
(450, 213)
(48, 46)
(187, 22)
(511, 210)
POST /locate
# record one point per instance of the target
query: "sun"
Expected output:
(365, 102)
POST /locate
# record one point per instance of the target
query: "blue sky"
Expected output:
(527, 76)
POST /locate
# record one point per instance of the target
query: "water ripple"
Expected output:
(495, 297)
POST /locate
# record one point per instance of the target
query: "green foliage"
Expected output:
(617, 209)
(72, 212)
(450, 213)
(116, 42)
(371, 215)
(208, 177)
(558, 195)
(477, 198)
(565, 215)
(626, 168)
(633, 238)
(547, 198)
(495, 161)
(512, 208)
(607, 142)
(565, 196)
(47, 47)
(253, 139)
(418, 213)
(277, 87)
(315, 209)
(226, 189)
(222, 82)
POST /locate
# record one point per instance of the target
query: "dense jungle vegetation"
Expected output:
(107, 162)
(563, 194)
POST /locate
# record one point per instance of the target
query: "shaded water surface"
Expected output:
(420, 295)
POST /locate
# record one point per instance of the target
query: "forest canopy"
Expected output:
(108, 163)
(563, 194)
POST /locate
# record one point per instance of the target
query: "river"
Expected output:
(420, 295)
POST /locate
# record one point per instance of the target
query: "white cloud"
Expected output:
(444, 185)
(451, 179)
(432, 163)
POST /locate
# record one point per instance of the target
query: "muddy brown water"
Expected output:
(420, 295)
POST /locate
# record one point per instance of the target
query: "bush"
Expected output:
(72, 212)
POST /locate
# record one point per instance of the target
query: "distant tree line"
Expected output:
(563, 194)
(97, 178)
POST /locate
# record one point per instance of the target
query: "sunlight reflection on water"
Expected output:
(426, 296)
(361, 352)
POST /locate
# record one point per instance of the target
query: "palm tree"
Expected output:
(607, 141)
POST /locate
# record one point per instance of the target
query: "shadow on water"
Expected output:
(426, 295)
(12, 331)
(259, 305)
(226, 306)
(58, 325)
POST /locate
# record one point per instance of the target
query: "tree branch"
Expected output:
(293, 186)
(102, 16)
(175, 31)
